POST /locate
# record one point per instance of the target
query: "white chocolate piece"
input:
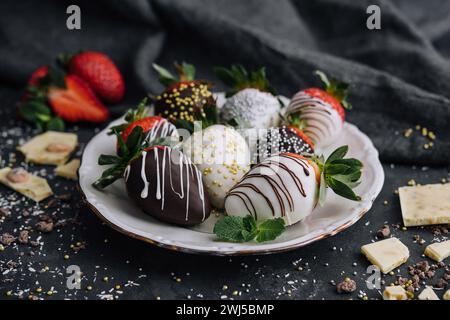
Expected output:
(394, 293)
(438, 251)
(283, 186)
(425, 205)
(386, 254)
(223, 157)
(428, 294)
(68, 170)
(35, 188)
(39, 149)
(446, 295)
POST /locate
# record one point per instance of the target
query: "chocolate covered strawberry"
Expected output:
(222, 155)
(289, 186)
(153, 127)
(99, 71)
(251, 100)
(165, 184)
(185, 99)
(274, 141)
(320, 113)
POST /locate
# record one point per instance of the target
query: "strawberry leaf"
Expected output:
(339, 153)
(342, 189)
(238, 78)
(165, 77)
(56, 124)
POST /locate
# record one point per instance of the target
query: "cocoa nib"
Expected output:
(384, 232)
(441, 283)
(346, 286)
(24, 237)
(6, 239)
(67, 197)
(45, 226)
(4, 212)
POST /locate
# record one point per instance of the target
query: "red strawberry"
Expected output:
(37, 75)
(335, 94)
(153, 127)
(100, 72)
(76, 102)
(146, 124)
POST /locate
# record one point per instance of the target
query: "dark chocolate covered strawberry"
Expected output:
(184, 99)
(165, 184)
(274, 141)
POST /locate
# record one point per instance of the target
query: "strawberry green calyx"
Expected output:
(131, 116)
(339, 173)
(337, 89)
(185, 71)
(129, 150)
(238, 78)
(296, 121)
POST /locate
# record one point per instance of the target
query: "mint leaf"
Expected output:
(233, 229)
(244, 229)
(270, 229)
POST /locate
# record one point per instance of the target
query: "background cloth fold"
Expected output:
(400, 74)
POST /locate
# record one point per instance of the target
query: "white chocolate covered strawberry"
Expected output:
(223, 157)
(320, 113)
(289, 186)
(251, 101)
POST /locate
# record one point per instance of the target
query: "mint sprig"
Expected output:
(245, 229)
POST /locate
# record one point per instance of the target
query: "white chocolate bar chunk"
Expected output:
(438, 251)
(428, 294)
(446, 295)
(425, 205)
(395, 293)
(68, 170)
(386, 254)
(35, 188)
(50, 147)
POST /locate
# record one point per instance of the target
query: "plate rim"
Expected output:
(241, 252)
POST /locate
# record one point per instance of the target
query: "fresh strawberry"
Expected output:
(154, 127)
(76, 102)
(100, 72)
(33, 82)
(38, 75)
(185, 100)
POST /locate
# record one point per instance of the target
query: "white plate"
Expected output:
(115, 208)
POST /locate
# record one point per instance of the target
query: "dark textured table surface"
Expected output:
(147, 272)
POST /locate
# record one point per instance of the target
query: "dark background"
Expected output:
(400, 76)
